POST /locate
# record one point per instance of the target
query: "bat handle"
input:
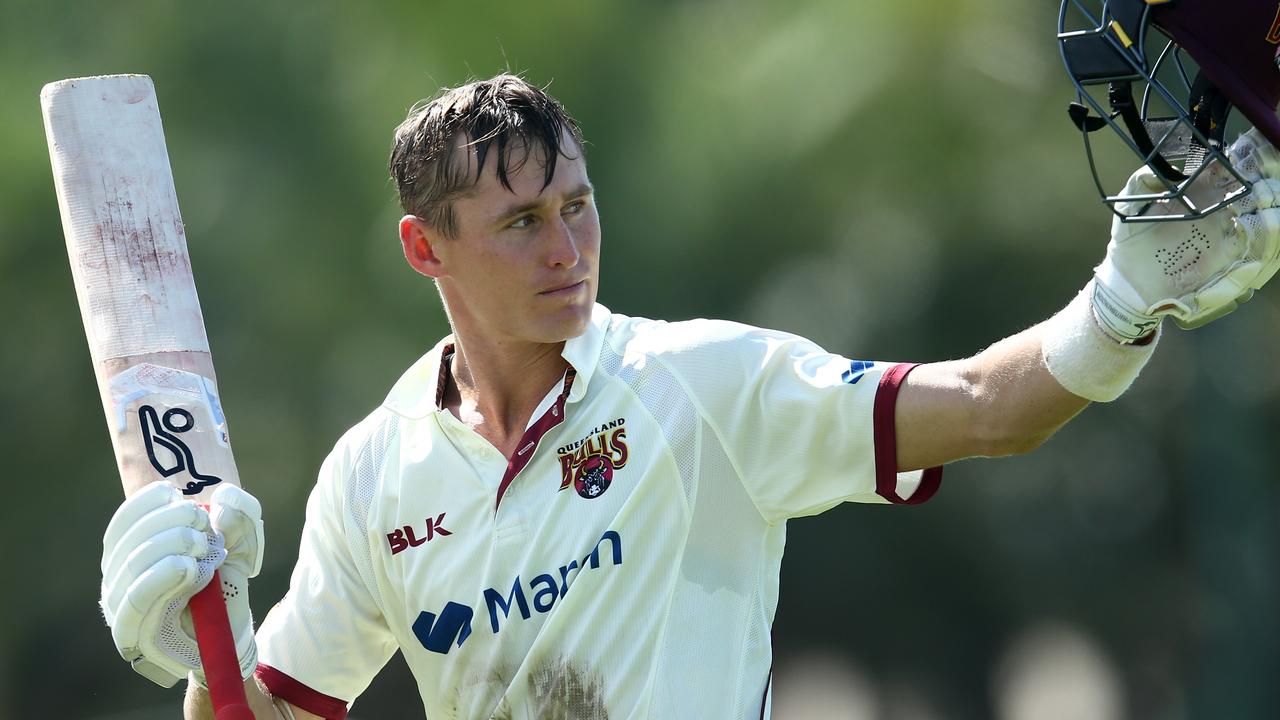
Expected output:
(218, 653)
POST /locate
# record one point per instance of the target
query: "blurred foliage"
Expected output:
(895, 179)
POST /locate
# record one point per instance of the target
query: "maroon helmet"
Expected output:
(1165, 75)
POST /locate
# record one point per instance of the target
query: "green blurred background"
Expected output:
(895, 180)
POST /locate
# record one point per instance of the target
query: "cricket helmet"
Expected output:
(1165, 75)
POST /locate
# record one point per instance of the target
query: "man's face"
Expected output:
(524, 264)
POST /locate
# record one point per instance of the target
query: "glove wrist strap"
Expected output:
(1117, 318)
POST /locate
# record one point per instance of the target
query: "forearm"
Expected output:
(197, 705)
(1011, 397)
(1019, 403)
(1002, 401)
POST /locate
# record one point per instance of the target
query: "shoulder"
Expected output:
(362, 450)
(663, 338)
(701, 342)
(358, 439)
(362, 444)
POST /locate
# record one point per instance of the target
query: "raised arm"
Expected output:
(1011, 397)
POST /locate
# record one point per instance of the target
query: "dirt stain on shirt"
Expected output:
(558, 690)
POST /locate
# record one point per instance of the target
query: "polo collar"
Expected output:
(418, 392)
(583, 352)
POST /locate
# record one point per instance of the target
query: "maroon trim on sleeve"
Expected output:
(886, 442)
(295, 693)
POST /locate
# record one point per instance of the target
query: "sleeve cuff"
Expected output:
(295, 693)
(888, 481)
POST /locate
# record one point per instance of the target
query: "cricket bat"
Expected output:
(132, 274)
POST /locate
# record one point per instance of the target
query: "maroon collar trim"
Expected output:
(442, 378)
(532, 436)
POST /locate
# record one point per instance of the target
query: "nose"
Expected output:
(562, 245)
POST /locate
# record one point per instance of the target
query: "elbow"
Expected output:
(1000, 437)
(1017, 443)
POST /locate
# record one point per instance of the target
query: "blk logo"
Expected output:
(162, 432)
(404, 538)
(857, 368)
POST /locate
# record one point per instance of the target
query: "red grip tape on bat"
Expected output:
(218, 653)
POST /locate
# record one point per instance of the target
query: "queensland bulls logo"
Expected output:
(593, 477)
(590, 463)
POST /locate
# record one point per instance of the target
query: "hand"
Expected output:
(158, 551)
(1193, 271)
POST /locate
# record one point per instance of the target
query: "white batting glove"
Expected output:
(1193, 271)
(159, 550)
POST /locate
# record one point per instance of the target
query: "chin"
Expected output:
(567, 324)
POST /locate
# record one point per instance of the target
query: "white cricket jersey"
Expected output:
(624, 562)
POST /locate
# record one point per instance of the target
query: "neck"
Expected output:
(499, 384)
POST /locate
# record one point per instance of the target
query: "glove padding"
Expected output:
(1193, 271)
(158, 551)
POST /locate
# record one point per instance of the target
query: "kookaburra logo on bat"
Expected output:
(162, 432)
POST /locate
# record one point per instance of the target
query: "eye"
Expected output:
(575, 207)
(521, 222)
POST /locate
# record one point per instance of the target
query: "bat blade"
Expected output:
(132, 273)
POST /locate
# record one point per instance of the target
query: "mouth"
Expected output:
(565, 289)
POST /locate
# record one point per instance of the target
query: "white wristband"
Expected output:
(1085, 359)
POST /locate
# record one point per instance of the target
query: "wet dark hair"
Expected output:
(505, 113)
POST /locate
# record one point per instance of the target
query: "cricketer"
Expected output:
(561, 511)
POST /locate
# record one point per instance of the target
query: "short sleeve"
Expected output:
(804, 428)
(322, 644)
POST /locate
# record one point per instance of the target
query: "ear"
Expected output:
(418, 240)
